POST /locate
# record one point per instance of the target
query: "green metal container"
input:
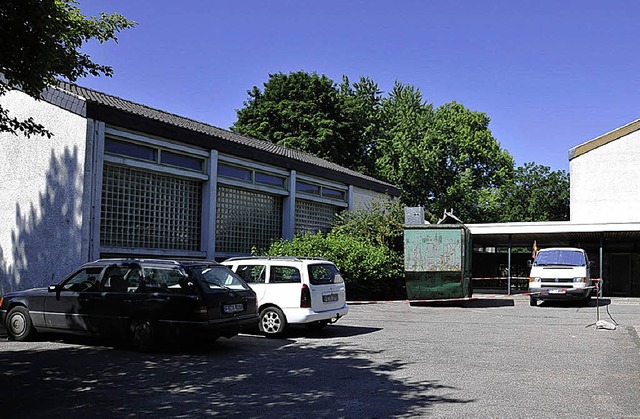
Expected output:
(437, 261)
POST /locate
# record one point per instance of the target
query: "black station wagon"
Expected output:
(145, 300)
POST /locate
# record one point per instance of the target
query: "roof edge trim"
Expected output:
(604, 139)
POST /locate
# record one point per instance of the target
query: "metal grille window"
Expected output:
(150, 210)
(312, 217)
(246, 219)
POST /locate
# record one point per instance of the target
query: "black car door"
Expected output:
(120, 286)
(68, 306)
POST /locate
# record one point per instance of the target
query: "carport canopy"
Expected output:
(553, 234)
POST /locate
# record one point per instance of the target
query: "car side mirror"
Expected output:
(56, 289)
(529, 263)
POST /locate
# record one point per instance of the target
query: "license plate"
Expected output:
(233, 308)
(329, 298)
(560, 291)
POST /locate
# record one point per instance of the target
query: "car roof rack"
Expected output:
(156, 260)
(293, 258)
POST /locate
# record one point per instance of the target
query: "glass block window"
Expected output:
(150, 210)
(312, 217)
(246, 219)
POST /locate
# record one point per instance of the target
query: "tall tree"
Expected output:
(361, 105)
(41, 41)
(309, 112)
(403, 156)
(471, 164)
(297, 110)
(535, 193)
(442, 159)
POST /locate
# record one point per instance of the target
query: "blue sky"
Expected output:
(550, 74)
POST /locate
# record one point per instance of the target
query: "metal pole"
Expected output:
(600, 265)
(509, 268)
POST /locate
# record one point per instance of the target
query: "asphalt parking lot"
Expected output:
(494, 357)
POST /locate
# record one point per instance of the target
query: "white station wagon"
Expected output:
(293, 290)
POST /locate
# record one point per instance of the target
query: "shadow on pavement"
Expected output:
(331, 331)
(602, 302)
(244, 377)
(472, 303)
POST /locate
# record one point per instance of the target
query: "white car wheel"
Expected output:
(272, 321)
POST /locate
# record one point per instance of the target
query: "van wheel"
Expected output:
(272, 321)
(19, 326)
(533, 302)
(143, 335)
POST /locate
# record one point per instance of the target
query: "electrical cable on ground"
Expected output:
(601, 324)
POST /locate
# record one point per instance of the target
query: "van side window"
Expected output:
(284, 275)
(252, 274)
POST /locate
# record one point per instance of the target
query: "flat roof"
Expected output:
(551, 233)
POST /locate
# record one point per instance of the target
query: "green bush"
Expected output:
(381, 223)
(369, 270)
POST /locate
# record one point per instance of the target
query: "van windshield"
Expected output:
(560, 257)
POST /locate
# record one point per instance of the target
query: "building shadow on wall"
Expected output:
(46, 240)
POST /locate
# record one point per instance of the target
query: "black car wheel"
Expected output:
(272, 321)
(143, 335)
(19, 326)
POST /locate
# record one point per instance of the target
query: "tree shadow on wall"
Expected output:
(46, 240)
(245, 377)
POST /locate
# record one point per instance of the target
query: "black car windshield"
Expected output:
(560, 258)
(218, 277)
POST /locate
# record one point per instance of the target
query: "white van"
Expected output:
(293, 290)
(560, 273)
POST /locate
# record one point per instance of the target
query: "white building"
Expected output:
(605, 177)
(121, 179)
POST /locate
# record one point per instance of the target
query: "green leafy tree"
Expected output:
(535, 193)
(471, 165)
(361, 104)
(309, 112)
(403, 155)
(442, 159)
(41, 41)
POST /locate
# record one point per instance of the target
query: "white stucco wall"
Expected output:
(42, 233)
(362, 199)
(605, 182)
